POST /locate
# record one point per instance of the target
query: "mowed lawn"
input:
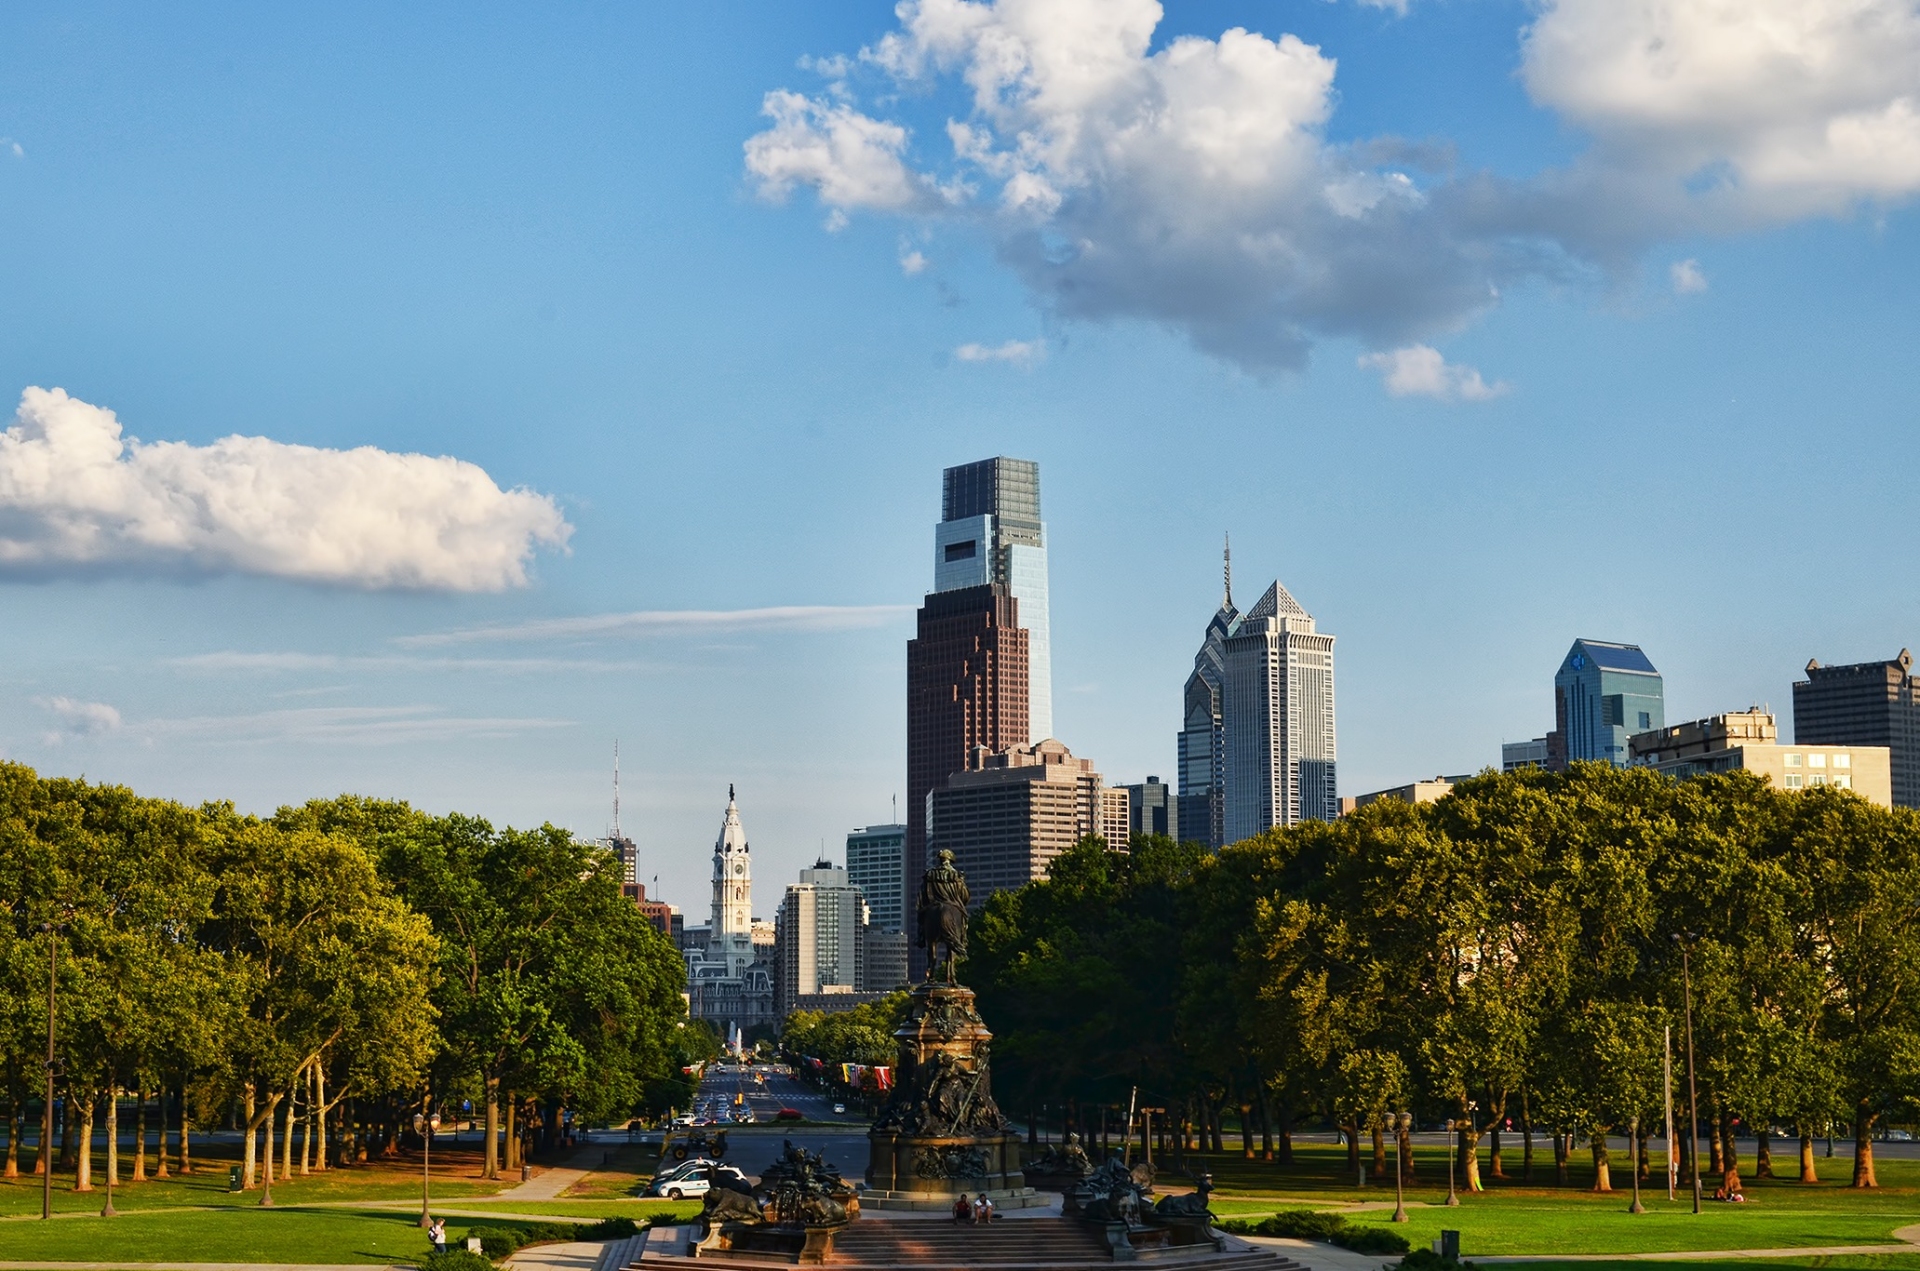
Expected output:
(218, 1235)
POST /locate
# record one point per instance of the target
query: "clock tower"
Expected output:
(731, 935)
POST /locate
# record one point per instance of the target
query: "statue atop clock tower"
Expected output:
(731, 935)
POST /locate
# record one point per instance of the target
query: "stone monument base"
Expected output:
(944, 1165)
(942, 1202)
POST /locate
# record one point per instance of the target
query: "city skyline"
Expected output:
(598, 413)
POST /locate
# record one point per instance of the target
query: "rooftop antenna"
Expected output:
(1228, 603)
(616, 787)
(896, 807)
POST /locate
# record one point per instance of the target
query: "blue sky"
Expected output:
(1479, 342)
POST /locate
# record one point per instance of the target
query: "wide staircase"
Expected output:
(926, 1244)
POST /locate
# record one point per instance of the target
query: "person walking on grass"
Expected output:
(437, 1233)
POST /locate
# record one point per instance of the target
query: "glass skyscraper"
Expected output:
(1202, 755)
(990, 531)
(1276, 719)
(1603, 693)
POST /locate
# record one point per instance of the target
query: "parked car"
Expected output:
(840, 1109)
(789, 1114)
(698, 1182)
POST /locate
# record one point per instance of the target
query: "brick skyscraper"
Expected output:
(966, 687)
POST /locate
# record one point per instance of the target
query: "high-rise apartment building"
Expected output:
(1603, 694)
(1202, 754)
(990, 532)
(1152, 808)
(1277, 719)
(876, 864)
(1749, 741)
(1865, 704)
(966, 689)
(1515, 755)
(820, 933)
(1009, 814)
(1113, 823)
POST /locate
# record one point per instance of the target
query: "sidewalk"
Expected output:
(557, 1178)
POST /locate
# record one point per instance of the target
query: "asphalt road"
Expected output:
(752, 1147)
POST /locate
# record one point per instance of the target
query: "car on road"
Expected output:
(839, 1109)
(698, 1182)
(789, 1114)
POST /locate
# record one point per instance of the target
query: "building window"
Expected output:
(1816, 779)
(1843, 761)
(1613, 710)
(1843, 781)
(1816, 761)
(961, 551)
(1646, 720)
(1793, 781)
(1793, 761)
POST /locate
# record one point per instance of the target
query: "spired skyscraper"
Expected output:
(990, 531)
(1276, 719)
(1202, 780)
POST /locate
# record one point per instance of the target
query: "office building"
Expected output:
(820, 936)
(876, 864)
(990, 532)
(1202, 757)
(966, 690)
(1515, 755)
(1114, 822)
(1603, 694)
(1277, 719)
(1865, 704)
(1009, 814)
(1152, 808)
(1749, 740)
(729, 964)
(1413, 792)
(885, 966)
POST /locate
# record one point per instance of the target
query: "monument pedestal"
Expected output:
(941, 1133)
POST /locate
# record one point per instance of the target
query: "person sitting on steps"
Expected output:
(962, 1209)
(982, 1208)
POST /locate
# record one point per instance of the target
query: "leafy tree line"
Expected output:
(323, 973)
(1512, 954)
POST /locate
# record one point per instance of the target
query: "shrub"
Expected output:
(455, 1260)
(1366, 1238)
(498, 1242)
(608, 1229)
(1304, 1224)
(1312, 1224)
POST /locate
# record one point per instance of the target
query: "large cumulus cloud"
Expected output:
(76, 493)
(1193, 185)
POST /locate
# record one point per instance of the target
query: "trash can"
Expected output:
(1449, 1246)
(526, 1172)
(233, 1178)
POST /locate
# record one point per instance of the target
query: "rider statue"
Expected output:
(943, 915)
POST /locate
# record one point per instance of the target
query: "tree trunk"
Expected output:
(1214, 1109)
(513, 1137)
(113, 1134)
(1526, 1139)
(267, 1126)
(1763, 1148)
(186, 1135)
(1713, 1142)
(1379, 1147)
(1469, 1153)
(160, 1137)
(306, 1128)
(1863, 1149)
(1493, 1153)
(1559, 1159)
(1404, 1137)
(320, 1109)
(13, 1135)
(1246, 1130)
(83, 1167)
(1602, 1174)
(1351, 1131)
(140, 1137)
(1266, 1124)
(490, 1153)
(1642, 1162)
(1809, 1172)
(70, 1133)
(1284, 1150)
(286, 1140)
(249, 1164)
(1729, 1156)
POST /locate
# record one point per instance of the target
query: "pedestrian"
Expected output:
(962, 1209)
(437, 1233)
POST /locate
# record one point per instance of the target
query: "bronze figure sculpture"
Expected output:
(942, 916)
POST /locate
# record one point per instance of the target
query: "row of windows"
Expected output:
(1821, 761)
(1796, 781)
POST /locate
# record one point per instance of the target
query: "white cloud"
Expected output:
(1189, 182)
(661, 622)
(1017, 352)
(344, 725)
(75, 493)
(1687, 277)
(912, 263)
(13, 147)
(1419, 371)
(79, 719)
(1778, 108)
(229, 661)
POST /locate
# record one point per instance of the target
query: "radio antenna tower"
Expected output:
(616, 787)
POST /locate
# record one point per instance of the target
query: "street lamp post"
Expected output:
(1400, 1124)
(46, 1127)
(1633, 1163)
(1693, 1112)
(1473, 1136)
(425, 1126)
(1453, 1197)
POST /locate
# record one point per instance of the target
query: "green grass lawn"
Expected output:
(661, 1211)
(219, 1235)
(1855, 1262)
